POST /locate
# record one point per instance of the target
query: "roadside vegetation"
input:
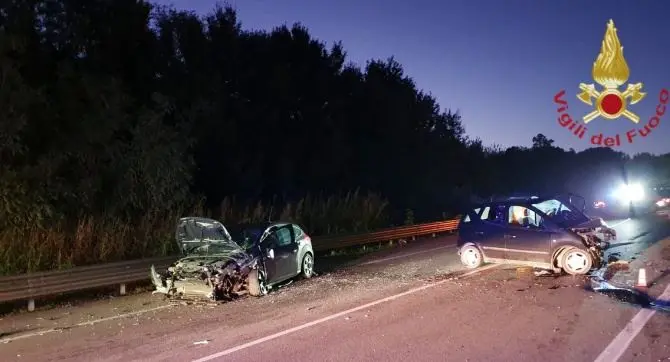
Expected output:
(111, 130)
(96, 240)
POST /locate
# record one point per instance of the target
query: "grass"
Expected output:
(93, 240)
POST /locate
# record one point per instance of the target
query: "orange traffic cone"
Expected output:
(641, 280)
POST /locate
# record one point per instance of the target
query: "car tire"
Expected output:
(471, 257)
(256, 284)
(576, 261)
(307, 266)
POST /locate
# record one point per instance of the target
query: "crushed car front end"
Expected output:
(214, 266)
(596, 235)
(213, 277)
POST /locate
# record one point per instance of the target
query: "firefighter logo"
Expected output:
(610, 71)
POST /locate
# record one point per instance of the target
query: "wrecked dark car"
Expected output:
(221, 264)
(542, 232)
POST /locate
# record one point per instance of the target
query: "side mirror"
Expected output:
(271, 254)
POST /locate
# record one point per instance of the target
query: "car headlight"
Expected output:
(628, 193)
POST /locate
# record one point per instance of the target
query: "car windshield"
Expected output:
(561, 213)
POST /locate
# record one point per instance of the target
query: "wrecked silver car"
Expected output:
(543, 232)
(221, 264)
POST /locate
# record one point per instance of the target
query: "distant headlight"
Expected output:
(628, 193)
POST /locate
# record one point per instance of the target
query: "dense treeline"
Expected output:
(119, 116)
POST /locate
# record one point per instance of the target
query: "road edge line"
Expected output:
(82, 324)
(622, 341)
(333, 316)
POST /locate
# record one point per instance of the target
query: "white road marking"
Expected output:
(89, 323)
(620, 222)
(406, 255)
(333, 316)
(620, 343)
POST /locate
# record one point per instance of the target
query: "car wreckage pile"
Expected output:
(215, 266)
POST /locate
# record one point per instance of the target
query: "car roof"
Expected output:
(506, 203)
(260, 225)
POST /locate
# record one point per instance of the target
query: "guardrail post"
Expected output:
(31, 305)
(122, 289)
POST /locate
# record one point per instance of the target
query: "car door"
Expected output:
(285, 251)
(492, 230)
(268, 245)
(526, 237)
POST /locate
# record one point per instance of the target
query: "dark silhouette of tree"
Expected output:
(541, 141)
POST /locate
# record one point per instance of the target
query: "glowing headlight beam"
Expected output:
(630, 192)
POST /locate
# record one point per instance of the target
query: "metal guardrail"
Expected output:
(35, 285)
(401, 232)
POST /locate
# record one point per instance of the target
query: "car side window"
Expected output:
(284, 236)
(271, 241)
(521, 216)
(485, 213)
(494, 214)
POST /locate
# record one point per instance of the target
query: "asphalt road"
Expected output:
(412, 302)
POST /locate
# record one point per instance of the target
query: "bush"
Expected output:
(320, 215)
(93, 240)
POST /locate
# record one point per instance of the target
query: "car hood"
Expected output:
(591, 223)
(201, 237)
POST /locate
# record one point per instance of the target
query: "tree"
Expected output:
(541, 141)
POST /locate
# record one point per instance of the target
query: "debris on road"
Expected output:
(623, 294)
(543, 273)
(614, 267)
(206, 341)
(524, 273)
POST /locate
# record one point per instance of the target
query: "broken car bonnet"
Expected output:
(201, 235)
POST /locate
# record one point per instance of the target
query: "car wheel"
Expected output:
(471, 257)
(576, 261)
(307, 268)
(256, 283)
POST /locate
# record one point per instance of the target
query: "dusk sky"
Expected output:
(498, 62)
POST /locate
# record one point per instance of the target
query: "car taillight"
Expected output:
(308, 240)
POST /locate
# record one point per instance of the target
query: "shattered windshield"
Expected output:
(561, 213)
